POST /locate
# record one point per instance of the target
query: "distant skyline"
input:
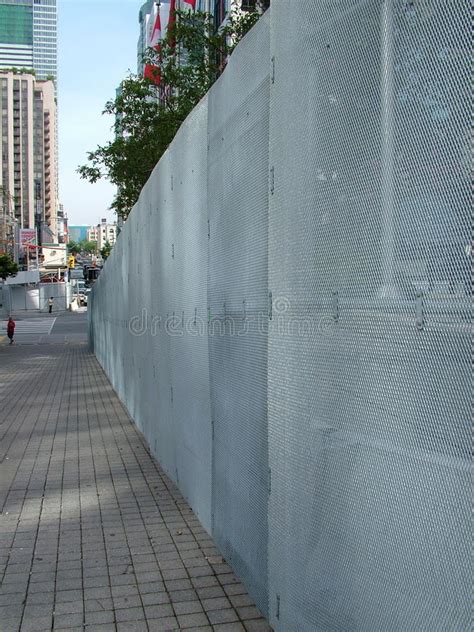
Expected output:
(97, 48)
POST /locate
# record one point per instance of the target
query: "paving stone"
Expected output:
(40, 598)
(235, 589)
(216, 603)
(13, 610)
(68, 595)
(96, 605)
(43, 577)
(192, 620)
(36, 610)
(210, 592)
(11, 624)
(178, 584)
(132, 626)
(130, 614)
(62, 621)
(13, 589)
(159, 611)
(70, 584)
(104, 616)
(227, 578)
(174, 573)
(70, 573)
(183, 595)
(97, 592)
(249, 612)
(169, 624)
(203, 582)
(36, 623)
(123, 580)
(151, 599)
(144, 567)
(257, 625)
(148, 577)
(187, 607)
(69, 607)
(128, 601)
(240, 600)
(140, 549)
(222, 616)
(229, 627)
(127, 591)
(96, 582)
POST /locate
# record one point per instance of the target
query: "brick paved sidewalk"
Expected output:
(93, 535)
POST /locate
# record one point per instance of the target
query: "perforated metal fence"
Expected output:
(287, 314)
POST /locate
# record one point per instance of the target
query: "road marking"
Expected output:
(40, 326)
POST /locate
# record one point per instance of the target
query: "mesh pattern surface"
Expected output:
(238, 287)
(369, 349)
(156, 352)
(287, 314)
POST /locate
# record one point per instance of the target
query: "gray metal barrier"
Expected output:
(287, 314)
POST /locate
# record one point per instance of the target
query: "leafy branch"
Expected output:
(149, 112)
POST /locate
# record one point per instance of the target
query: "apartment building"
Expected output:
(28, 168)
(102, 233)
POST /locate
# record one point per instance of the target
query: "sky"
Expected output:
(97, 47)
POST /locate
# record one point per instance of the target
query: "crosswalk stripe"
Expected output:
(33, 326)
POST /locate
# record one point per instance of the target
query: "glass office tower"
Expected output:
(28, 36)
(45, 39)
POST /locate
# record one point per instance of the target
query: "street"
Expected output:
(43, 328)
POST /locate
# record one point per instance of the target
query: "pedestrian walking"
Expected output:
(50, 304)
(11, 329)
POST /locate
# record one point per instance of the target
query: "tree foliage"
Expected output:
(20, 71)
(73, 247)
(7, 267)
(149, 113)
(106, 250)
(89, 247)
(82, 247)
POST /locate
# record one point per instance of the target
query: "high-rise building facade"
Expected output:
(45, 43)
(28, 36)
(28, 129)
(16, 33)
(145, 18)
(45, 156)
(28, 149)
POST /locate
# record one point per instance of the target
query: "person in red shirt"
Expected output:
(11, 329)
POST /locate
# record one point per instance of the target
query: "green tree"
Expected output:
(73, 247)
(106, 250)
(7, 267)
(147, 116)
(88, 247)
